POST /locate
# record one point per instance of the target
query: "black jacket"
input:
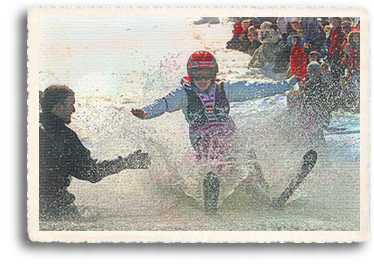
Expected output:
(62, 155)
(317, 91)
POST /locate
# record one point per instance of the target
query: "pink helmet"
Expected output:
(202, 59)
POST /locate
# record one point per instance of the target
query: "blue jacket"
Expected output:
(235, 92)
(226, 92)
(310, 29)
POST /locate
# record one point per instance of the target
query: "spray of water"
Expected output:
(168, 196)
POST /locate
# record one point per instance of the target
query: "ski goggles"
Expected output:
(200, 77)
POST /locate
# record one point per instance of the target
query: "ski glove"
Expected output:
(136, 160)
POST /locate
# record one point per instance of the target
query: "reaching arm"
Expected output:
(242, 90)
(174, 101)
(80, 164)
(139, 113)
(94, 171)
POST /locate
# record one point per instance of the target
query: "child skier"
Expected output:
(206, 107)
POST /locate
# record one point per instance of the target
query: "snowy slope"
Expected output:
(120, 63)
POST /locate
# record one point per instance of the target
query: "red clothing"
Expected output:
(354, 62)
(345, 42)
(238, 29)
(298, 61)
(337, 38)
(344, 59)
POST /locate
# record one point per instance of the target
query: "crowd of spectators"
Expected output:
(332, 42)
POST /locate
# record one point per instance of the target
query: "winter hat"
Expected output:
(295, 21)
(313, 65)
(315, 54)
(350, 39)
(345, 22)
(296, 36)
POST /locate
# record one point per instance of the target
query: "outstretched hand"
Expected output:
(301, 81)
(137, 160)
(139, 113)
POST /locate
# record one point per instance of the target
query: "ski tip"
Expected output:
(310, 157)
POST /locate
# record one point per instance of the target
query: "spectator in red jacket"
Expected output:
(337, 36)
(234, 43)
(354, 64)
(238, 29)
(346, 28)
(297, 58)
(335, 50)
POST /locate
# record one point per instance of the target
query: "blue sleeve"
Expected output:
(310, 31)
(174, 101)
(242, 90)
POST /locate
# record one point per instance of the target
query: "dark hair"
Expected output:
(297, 37)
(350, 39)
(324, 65)
(347, 19)
(54, 94)
(338, 18)
(315, 54)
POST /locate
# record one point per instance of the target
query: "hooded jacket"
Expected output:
(298, 61)
(336, 41)
(238, 29)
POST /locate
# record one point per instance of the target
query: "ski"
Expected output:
(211, 192)
(310, 159)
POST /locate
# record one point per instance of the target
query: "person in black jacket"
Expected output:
(243, 38)
(62, 155)
(318, 101)
(253, 42)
